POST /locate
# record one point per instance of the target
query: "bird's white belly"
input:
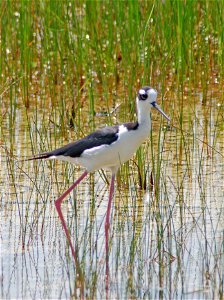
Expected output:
(112, 155)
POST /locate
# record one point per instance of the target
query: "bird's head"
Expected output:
(146, 99)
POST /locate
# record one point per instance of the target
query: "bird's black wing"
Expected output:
(104, 136)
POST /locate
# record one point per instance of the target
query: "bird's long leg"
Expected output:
(107, 226)
(58, 203)
(107, 222)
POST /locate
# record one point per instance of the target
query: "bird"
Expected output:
(106, 148)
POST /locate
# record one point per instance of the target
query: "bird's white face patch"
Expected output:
(152, 92)
(152, 95)
(142, 92)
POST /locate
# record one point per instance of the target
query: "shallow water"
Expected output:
(165, 242)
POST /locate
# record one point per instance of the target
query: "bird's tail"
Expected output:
(40, 156)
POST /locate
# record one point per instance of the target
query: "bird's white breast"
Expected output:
(114, 154)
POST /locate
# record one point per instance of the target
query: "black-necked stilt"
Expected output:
(108, 147)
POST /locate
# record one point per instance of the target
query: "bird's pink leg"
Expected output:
(107, 222)
(107, 226)
(58, 203)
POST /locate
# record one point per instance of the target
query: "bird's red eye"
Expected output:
(143, 96)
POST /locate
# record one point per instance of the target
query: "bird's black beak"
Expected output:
(157, 107)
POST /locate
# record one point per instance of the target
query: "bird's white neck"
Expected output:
(144, 118)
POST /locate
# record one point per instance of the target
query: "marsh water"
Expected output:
(165, 241)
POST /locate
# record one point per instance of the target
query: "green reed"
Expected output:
(70, 52)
